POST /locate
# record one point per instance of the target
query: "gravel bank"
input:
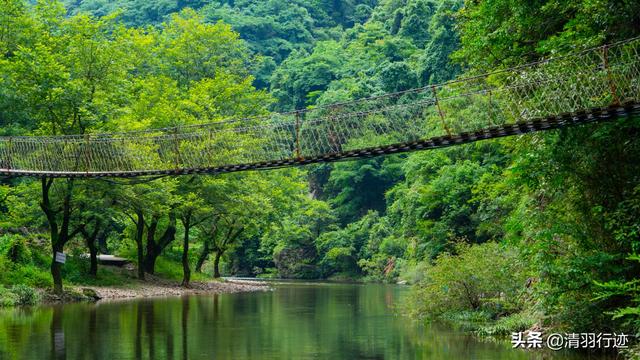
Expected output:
(159, 288)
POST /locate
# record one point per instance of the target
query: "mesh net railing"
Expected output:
(597, 78)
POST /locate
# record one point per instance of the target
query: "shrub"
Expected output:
(484, 277)
(4, 265)
(25, 295)
(381, 268)
(296, 262)
(75, 269)
(29, 275)
(7, 298)
(413, 273)
(14, 248)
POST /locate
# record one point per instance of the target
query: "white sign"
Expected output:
(61, 257)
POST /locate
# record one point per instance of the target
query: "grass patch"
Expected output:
(507, 325)
(76, 272)
(172, 270)
(483, 324)
(466, 320)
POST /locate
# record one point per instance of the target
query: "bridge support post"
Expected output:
(298, 152)
(10, 153)
(435, 97)
(176, 144)
(612, 85)
(87, 157)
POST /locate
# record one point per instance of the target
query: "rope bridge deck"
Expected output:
(592, 85)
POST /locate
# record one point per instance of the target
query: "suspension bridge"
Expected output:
(593, 85)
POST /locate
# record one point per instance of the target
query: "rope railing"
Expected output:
(591, 85)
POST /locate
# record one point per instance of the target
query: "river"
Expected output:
(294, 321)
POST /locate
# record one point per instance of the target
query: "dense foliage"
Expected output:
(537, 229)
(272, 29)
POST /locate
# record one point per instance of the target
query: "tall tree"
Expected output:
(58, 70)
(192, 210)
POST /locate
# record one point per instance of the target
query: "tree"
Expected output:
(60, 228)
(359, 186)
(199, 75)
(303, 73)
(572, 190)
(502, 33)
(434, 64)
(192, 211)
(220, 237)
(155, 245)
(58, 70)
(149, 206)
(290, 241)
(484, 277)
(236, 205)
(91, 237)
(96, 212)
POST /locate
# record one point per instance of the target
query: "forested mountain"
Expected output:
(272, 29)
(539, 229)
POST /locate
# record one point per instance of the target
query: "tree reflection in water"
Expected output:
(295, 321)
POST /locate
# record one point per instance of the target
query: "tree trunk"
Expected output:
(186, 271)
(154, 249)
(56, 273)
(56, 269)
(139, 234)
(93, 255)
(216, 264)
(210, 237)
(222, 247)
(102, 241)
(59, 237)
(204, 254)
(91, 240)
(149, 263)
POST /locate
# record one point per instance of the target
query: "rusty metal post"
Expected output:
(612, 85)
(435, 96)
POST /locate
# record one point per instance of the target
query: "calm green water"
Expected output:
(295, 321)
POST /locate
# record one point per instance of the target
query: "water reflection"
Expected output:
(57, 335)
(328, 321)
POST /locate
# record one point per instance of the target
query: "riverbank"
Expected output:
(163, 288)
(154, 287)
